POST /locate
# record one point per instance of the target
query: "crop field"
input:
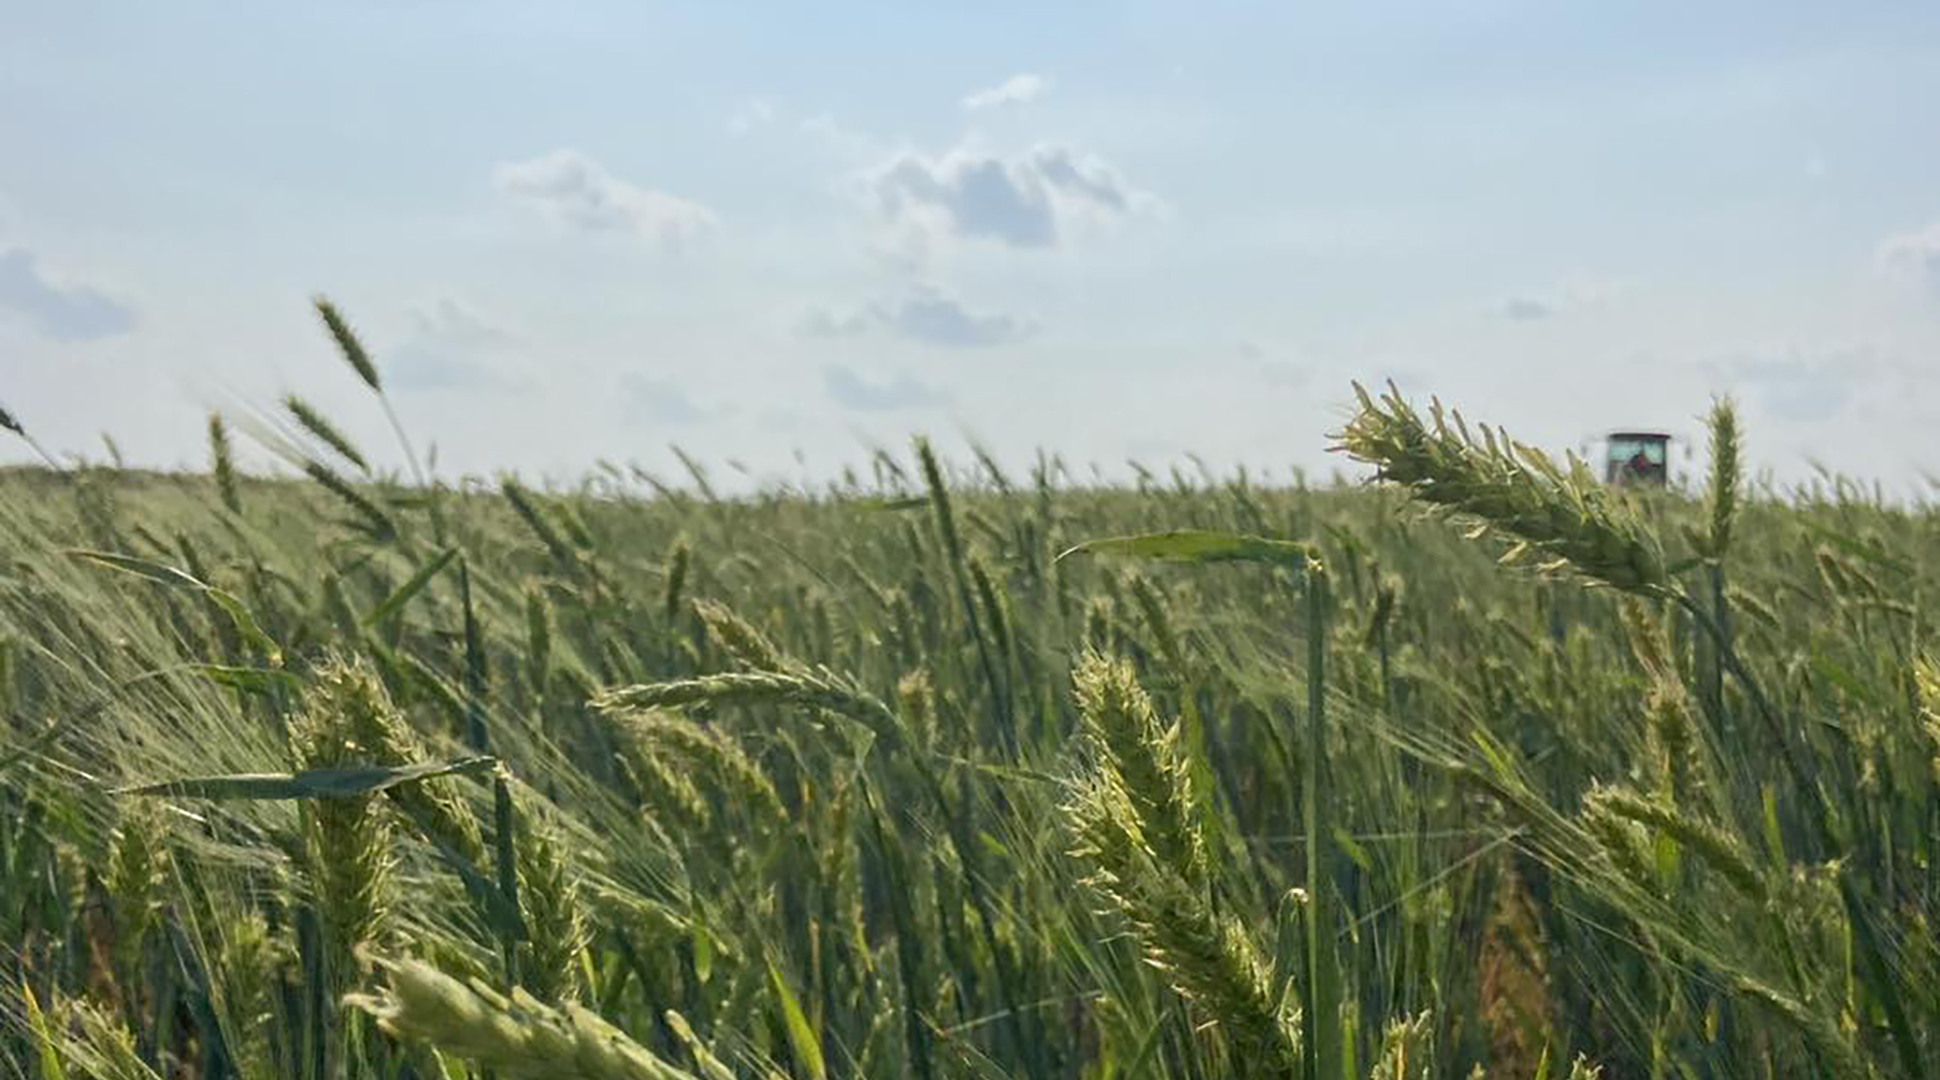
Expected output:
(1480, 770)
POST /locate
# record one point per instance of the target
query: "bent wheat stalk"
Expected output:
(515, 1036)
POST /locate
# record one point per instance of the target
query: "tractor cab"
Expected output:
(1637, 457)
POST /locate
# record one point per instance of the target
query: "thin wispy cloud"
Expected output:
(853, 391)
(1914, 255)
(755, 114)
(650, 400)
(1526, 309)
(1802, 384)
(1571, 295)
(575, 192)
(61, 310)
(925, 314)
(1016, 90)
(448, 346)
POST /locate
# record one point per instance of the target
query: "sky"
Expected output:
(782, 235)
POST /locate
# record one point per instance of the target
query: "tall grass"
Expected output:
(329, 776)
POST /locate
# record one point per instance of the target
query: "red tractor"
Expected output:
(1637, 457)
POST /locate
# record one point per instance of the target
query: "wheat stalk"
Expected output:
(222, 462)
(10, 422)
(515, 1036)
(1146, 758)
(320, 428)
(1716, 848)
(550, 958)
(1726, 486)
(348, 853)
(1209, 960)
(1560, 513)
(381, 736)
(806, 688)
(674, 578)
(740, 638)
(136, 872)
(707, 750)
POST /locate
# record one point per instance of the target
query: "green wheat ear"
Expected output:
(516, 1036)
(1560, 514)
(1926, 683)
(136, 873)
(382, 736)
(1407, 1050)
(743, 641)
(348, 846)
(347, 343)
(1714, 847)
(312, 420)
(655, 736)
(248, 969)
(1147, 759)
(674, 578)
(97, 1045)
(549, 960)
(222, 463)
(1133, 814)
(1725, 489)
(916, 702)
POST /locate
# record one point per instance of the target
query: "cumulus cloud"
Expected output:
(64, 311)
(1016, 90)
(925, 314)
(852, 391)
(574, 191)
(1028, 201)
(1915, 255)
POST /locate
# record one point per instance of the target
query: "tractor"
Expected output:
(1637, 458)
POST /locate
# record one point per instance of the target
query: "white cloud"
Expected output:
(925, 314)
(1270, 369)
(452, 321)
(1569, 296)
(1804, 385)
(862, 395)
(1028, 201)
(756, 113)
(1016, 90)
(444, 347)
(575, 191)
(657, 401)
(1284, 375)
(64, 311)
(1914, 255)
(1526, 309)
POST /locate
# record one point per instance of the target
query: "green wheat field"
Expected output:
(1482, 769)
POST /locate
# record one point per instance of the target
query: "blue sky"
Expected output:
(782, 234)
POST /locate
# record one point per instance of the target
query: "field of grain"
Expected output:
(1483, 770)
